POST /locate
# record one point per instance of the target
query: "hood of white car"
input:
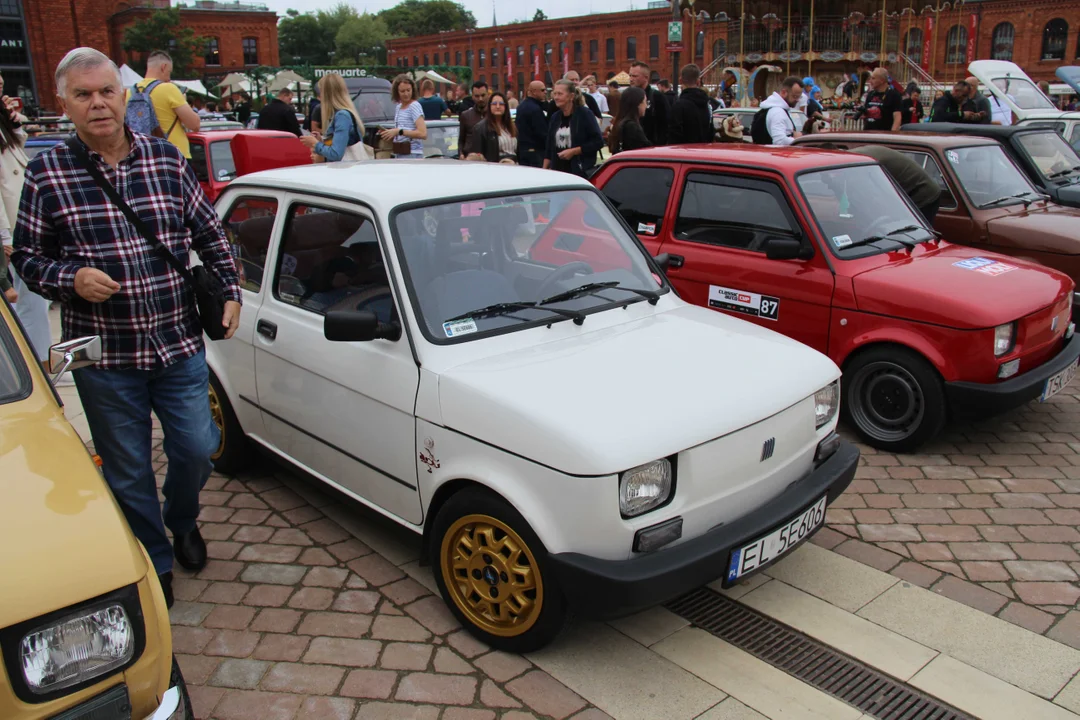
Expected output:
(607, 400)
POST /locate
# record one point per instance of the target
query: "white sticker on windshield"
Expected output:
(459, 327)
(744, 302)
(954, 158)
(841, 241)
(646, 228)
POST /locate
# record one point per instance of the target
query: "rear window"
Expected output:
(221, 161)
(374, 105)
(14, 377)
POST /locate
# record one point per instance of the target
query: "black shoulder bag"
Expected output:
(209, 293)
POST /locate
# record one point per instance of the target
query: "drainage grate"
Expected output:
(812, 662)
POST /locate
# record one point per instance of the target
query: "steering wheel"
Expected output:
(566, 271)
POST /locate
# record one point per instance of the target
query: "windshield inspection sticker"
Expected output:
(953, 156)
(973, 263)
(841, 241)
(459, 327)
(646, 228)
(747, 303)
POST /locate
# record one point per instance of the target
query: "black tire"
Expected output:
(176, 680)
(894, 398)
(233, 454)
(532, 618)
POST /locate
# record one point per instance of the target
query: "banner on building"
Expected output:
(509, 66)
(973, 30)
(928, 36)
(536, 64)
(565, 60)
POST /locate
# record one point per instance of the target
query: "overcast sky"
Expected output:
(506, 9)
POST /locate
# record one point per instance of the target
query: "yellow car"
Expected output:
(84, 631)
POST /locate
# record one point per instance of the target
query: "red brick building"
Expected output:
(1038, 35)
(239, 35)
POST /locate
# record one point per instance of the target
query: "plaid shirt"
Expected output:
(66, 222)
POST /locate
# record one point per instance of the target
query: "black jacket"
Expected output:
(691, 118)
(632, 136)
(584, 133)
(945, 109)
(484, 141)
(532, 127)
(655, 120)
(979, 104)
(279, 116)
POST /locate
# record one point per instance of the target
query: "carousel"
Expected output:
(754, 44)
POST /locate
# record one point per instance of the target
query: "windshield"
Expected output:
(14, 378)
(441, 141)
(1054, 157)
(221, 160)
(513, 256)
(374, 105)
(860, 212)
(989, 177)
(1024, 94)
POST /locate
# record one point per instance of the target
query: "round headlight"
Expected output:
(645, 487)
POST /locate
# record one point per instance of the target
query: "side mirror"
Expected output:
(786, 248)
(358, 326)
(74, 354)
(667, 260)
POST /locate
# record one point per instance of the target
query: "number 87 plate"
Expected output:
(765, 549)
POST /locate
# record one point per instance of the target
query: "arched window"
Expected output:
(1001, 44)
(914, 45)
(956, 45)
(719, 48)
(699, 44)
(213, 55)
(1054, 35)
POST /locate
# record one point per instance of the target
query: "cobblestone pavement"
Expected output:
(295, 618)
(987, 516)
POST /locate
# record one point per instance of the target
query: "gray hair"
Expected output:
(82, 58)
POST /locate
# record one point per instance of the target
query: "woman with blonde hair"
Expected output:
(410, 130)
(345, 130)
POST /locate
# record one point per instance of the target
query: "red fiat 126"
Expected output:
(824, 248)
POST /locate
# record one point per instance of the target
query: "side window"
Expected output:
(640, 195)
(331, 260)
(929, 164)
(1074, 139)
(248, 226)
(198, 162)
(732, 212)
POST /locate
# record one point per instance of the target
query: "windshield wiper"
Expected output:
(509, 307)
(592, 288)
(1017, 196)
(1060, 173)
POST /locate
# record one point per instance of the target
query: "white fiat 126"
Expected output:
(488, 356)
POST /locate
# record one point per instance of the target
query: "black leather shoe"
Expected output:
(166, 587)
(190, 550)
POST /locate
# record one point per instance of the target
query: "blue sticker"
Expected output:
(974, 263)
(733, 570)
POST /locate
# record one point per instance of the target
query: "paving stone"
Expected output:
(374, 684)
(189, 613)
(1040, 570)
(290, 536)
(1053, 533)
(303, 679)
(459, 713)
(326, 577)
(466, 644)
(273, 574)
(253, 534)
(944, 486)
(343, 651)
(284, 648)
(398, 628)
(276, 620)
(501, 667)
(884, 533)
(1023, 500)
(196, 668)
(282, 499)
(1000, 588)
(930, 501)
(250, 517)
(357, 601)
(268, 595)
(969, 517)
(985, 571)
(827, 538)
(221, 570)
(222, 549)
(950, 568)
(492, 696)
(868, 516)
(985, 485)
(348, 549)
(447, 661)
(241, 674)
(949, 533)
(883, 501)
(225, 593)
(435, 688)
(229, 617)
(376, 569)
(406, 656)
(246, 500)
(404, 591)
(301, 515)
(232, 643)
(256, 705)
(204, 699)
(1027, 617)
(916, 574)
(1063, 517)
(594, 714)
(976, 501)
(970, 594)
(981, 551)
(1067, 630)
(211, 514)
(545, 695)
(930, 551)
(1018, 517)
(1000, 533)
(919, 516)
(325, 531)
(312, 598)
(397, 711)
(1047, 593)
(1030, 485)
(188, 589)
(432, 613)
(266, 553)
(316, 556)
(335, 624)
(190, 640)
(326, 708)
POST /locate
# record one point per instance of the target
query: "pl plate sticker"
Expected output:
(747, 303)
(995, 269)
(841, 241)
(459, 327)
(973, 263)
(646, 228)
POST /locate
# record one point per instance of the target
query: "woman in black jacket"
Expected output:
(574, 136)
(626, 132)
(494, 139)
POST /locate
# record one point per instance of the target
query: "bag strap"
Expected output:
(83, 158)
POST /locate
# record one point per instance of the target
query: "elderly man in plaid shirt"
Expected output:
(73, 245)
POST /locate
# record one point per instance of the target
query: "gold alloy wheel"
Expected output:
(217, 414)
(491, 575)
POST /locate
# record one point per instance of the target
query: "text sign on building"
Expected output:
(674, 32)
(345, 72)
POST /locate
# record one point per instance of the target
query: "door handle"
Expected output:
(676, 261)
(266, 328)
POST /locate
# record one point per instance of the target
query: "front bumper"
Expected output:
(170, 704)
(968, 399)
(603, 589)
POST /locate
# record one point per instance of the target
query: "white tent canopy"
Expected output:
(128, 76)
(433, 76)
(288, 78)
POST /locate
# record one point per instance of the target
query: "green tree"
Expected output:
(304, 37)
(427, 17)
(360, 39)
(539, 15)
(164, 30)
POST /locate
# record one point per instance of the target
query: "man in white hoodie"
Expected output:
(773, 124)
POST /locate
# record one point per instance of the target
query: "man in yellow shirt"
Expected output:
(174, 115)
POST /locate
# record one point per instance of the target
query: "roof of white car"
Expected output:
(385, 184)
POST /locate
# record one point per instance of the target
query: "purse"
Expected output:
(208, 290)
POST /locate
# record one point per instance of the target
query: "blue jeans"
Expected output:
(118, 405)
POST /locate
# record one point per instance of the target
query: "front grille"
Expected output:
(815, 663)
(113, 704)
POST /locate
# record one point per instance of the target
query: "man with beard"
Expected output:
(772, 123)
(473, 115)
